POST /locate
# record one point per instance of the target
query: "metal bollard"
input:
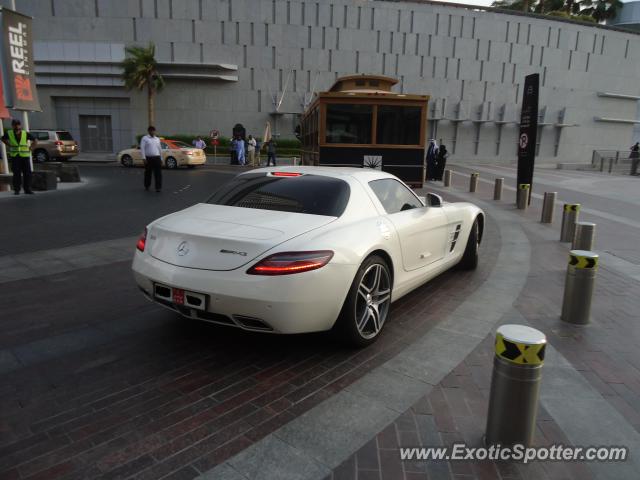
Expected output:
(584, 238)
(515, 385)
(548, 207)
(473, 182)
(447, 178)
(570, 215)
(522, 200)
(578, 287)
(497, 189)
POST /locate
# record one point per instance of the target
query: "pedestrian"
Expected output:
(151, 151)
(432, 156)
(271, 152)
(233, 151)
(251, 148)
(199, 143)
(441, 162)
(258, 149)
(635, 158)
(240, 151)
(19, 153)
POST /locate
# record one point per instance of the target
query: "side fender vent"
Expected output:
(454, 237)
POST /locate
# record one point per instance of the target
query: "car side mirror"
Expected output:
(434, 200)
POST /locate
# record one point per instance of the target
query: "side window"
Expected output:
(394, 196)
(42, 135)
(164, 146)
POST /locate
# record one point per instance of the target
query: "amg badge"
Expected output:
(244, 254)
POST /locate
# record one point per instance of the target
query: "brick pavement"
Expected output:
(605, 353)
(453, 412)
(171, 399)
(161, 398)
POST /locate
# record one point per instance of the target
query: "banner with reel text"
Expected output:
(17, 38)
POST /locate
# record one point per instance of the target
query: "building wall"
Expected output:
(471, 62)
(628, 16)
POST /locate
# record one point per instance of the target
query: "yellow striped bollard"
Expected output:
(522, 199)
(578, 286)
(515, 385)
(570, 215)
(473, 182)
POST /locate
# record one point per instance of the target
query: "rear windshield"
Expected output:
(313, 194)
(64, 136)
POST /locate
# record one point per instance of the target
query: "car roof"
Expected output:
(363, 174)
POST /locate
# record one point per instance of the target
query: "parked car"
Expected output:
(174, 154)
(304, 249)
(54, 145)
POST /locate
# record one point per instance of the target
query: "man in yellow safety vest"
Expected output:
(18, 152)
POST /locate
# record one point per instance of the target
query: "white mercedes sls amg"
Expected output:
(304, 249)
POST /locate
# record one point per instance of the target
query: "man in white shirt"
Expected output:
(199, 143)
(151, 152)
(251, 148)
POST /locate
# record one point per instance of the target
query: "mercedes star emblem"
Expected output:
(183, 249)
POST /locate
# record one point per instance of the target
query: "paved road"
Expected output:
(95, 382)
(112, 204)
(612, 202)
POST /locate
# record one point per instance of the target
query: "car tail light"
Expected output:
(190, 152)
(286, 174)
(58, 142)
(142, 241)
(286, 263)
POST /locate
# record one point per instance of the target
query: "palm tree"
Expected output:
(140, 71)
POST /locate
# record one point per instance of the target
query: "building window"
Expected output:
(398, 125)
(349, 123)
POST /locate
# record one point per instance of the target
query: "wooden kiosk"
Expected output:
(360, 122)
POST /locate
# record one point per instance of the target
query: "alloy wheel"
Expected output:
(373, 301)
(41, 156)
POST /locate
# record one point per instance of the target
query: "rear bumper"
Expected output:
(66, 154)
(194, 160)
(305, 302)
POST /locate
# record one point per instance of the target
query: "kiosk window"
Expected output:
(398, 125)
(349, 123)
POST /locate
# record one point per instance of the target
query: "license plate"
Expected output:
(177, 294)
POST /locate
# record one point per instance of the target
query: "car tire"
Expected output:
(367, 305)
(171, 163)
(470, 256)
(40, 156)
(126, 161)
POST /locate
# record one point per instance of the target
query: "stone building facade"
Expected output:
(253, 61)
